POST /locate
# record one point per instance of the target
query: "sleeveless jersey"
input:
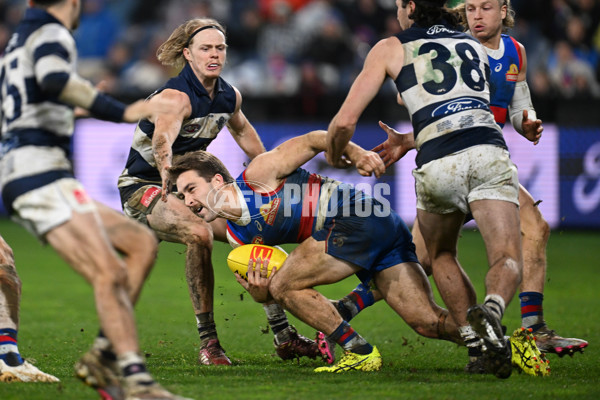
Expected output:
(503, 78)
(207, 119)
(302, 204)
(36, 128)
(443, 83)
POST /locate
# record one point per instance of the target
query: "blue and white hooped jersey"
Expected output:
(36, 127)
(207, 119)
(444, 85)
(302, 204)
(505, 65)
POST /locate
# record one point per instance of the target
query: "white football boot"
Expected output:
(25, 372)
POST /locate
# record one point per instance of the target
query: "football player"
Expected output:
(463, 165)
(39, 91)
(510, 97)
(340, 231)
(206, 103)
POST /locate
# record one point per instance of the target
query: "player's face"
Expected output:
(485, 18)
(207, 53)
(197, 194)
(403, 13)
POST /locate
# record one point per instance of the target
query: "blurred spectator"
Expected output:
(331, 51)
(577, 38)
(280, 37)
(573, 77)
(11, 12)
(243, 34)
(98, 30)
(307, 51)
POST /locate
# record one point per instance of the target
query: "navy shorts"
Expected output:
(374, 243)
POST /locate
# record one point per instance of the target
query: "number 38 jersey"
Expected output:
(444, 85)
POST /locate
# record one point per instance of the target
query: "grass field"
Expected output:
(58, 324)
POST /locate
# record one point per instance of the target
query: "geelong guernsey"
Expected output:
(443, 83)
(37, 128)
(207, 119)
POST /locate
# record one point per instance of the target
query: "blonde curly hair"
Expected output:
(171, 51)
(507, 23)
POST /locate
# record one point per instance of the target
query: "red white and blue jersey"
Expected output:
(505, 64)
(355, 227)
(289, 213)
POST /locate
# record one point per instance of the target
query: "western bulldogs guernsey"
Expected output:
(354, 226)
(197, 132)
(36, 128)
(291, 212)
(443, 83)
(505, 64)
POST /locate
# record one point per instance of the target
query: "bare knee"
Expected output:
(200, 236)
(148, 243)
(278, 289)
(9, 278)
(534, 227)
(110, 276)
(6, 253)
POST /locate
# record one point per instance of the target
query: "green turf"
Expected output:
(58, 323)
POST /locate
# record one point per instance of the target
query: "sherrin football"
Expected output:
(238, 258)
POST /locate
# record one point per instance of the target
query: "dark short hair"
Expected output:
(432, 12)
(204, 163)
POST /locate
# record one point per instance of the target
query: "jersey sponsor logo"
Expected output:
(263, 252)
(339, 240)
(512, 74)
(258, 225)
(81, 196)
(191, 128)
(269, 211)
(149, 195)
(498, 67)
(435, 29)
(454, 106)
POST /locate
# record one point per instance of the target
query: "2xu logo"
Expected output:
(586, 190)
(264, 253)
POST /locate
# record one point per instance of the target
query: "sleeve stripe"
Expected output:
(54, 83)
(52, 48)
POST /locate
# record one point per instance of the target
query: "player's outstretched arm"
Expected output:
(396, 145)
(384, 59)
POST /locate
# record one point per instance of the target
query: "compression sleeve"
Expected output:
(79, 92)
(521, 100)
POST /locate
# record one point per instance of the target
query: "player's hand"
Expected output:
(396, 145)
(369, 163)
(258, 283)
(532, 129)
(166, 184)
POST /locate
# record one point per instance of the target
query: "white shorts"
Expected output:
(449, 184)
(47, 207)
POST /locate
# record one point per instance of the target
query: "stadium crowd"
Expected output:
(310, 49)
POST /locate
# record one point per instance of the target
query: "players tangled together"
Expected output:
(173, 189)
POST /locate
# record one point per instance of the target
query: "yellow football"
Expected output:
(238, 258)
